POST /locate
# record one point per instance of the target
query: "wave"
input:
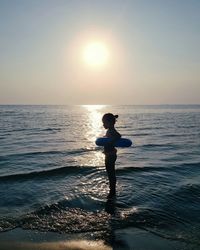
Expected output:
(167, 146)
(42, 153)
(192, 164)
(172, 167)
(150, 128)
(138, 134)
(47, 172)
(139, 169)
(87, 169)
(174, 135)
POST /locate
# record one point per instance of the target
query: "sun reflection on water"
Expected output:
(94, 129)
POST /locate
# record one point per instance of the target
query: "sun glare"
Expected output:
(95, 113)
(95, 54)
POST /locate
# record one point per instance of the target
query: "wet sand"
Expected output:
(131, 238)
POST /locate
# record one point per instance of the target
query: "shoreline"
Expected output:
(129, 238)
(20, 239)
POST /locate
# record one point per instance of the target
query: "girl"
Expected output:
(110, 151)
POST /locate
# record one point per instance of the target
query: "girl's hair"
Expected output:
(110, 117)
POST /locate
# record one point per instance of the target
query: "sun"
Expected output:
(95, 54)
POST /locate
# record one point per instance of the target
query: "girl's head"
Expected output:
(109, 120)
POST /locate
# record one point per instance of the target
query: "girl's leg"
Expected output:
(110, 168)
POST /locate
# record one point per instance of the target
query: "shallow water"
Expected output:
(52, 176)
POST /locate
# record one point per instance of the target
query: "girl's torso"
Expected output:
(110, 149)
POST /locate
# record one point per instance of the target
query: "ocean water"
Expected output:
(52, 176)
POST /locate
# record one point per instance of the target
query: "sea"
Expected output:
(53, 178)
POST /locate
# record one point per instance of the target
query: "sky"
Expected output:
(152, 46)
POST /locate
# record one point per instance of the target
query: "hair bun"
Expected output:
(116, 116)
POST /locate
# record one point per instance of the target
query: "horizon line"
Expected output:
(166, 104)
